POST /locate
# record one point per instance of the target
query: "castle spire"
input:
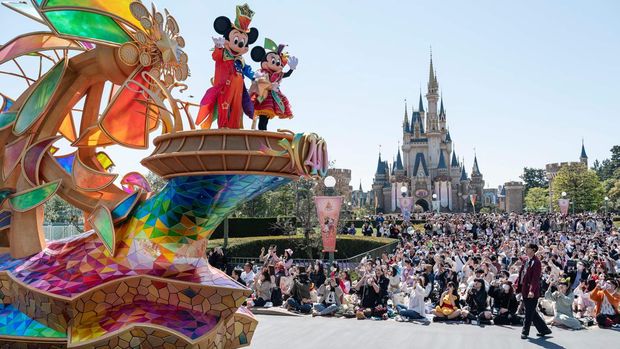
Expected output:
(420, 104)
(399, 161)
(406, 118)
(442, 112)
(463, 173)
(442, 161)
(360, 185)
(432, 78)
(583, 151)
(455, 162)
(380, 168)
(475, 170)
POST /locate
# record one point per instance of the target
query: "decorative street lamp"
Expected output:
(436, 202)
(606, 201)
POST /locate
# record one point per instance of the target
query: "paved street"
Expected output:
(307, 332)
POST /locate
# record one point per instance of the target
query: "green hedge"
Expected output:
(248, 227)
(347, 246)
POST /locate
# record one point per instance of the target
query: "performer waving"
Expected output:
(268, 99)
(228, 99)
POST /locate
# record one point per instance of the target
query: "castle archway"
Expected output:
(423, 204)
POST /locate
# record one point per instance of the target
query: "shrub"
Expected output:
(347, 246)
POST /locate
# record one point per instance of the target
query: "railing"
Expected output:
(55, 232)
(347, 263)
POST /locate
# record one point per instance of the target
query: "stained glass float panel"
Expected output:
(26, 9)
(125, 119)
(66, 162)
(34, 43)
(4, 193)
(88, 179)
(5, 219)
(134, 180)
(7, 103)
(12, 153)
(7, 119)
(119, 8)
(104, 160)
(27, 200)
(93, 136)
(101, 220)
(38, 101)
(32, 159)
(121, 211)
(67, 128)
(87, 26)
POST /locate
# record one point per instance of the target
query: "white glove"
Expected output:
(292, 62)
(219, 42)
(259, 74)
(275, 86)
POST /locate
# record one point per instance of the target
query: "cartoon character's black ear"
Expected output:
(258, 54)
(252, 36)
(222, 25)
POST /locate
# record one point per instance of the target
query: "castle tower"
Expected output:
(406, 128)
(477, 181)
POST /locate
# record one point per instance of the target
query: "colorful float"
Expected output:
(138, 277)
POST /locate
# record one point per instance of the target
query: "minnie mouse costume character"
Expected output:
(228, 99)
(268, 99)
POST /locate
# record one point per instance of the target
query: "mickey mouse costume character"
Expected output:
(228, 99)
(268, 99)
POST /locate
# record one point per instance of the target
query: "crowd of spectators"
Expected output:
(502, 269)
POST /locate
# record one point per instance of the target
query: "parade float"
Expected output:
(138, 276)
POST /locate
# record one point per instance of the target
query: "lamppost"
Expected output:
(606, 201)
(436, 202)
(330, 183)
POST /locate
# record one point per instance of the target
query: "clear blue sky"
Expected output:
(523, 81)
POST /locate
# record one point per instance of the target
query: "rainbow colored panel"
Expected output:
(4, 194)
(134, 180)
(119, 8)
(7, 119)
(34, 43)
(122, 210)
(7, 103)
(104, 160)
(37, 102)
(87, 26)
(102, 222)
(12, 153)
(15, 323)
(5, 219)
(66, 162)
(33, 156)
(32, 198)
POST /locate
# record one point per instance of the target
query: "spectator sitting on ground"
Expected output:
(236, 275)
(448, 307)
(299, 292)
(263, 290)
(329, 298)
(562, 306)
(248, 274)
(607, 298)
(416, 307)
(476, 309)
(505, 303)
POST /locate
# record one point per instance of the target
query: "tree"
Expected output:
(537, 199)
(534, 178)
(157, 183)
(582, 187)
(609, 168)
(57, 210)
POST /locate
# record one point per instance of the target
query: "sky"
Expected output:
(523, 82)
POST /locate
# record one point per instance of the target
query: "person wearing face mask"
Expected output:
(577, 275)
(562, 305)
(606, 296)
(505, 303)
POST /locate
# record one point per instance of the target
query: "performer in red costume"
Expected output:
(268, 99)
(228, 99)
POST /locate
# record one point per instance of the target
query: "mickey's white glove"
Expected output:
(275, 86)
(219, 42)
(259, 74)
(292, 62)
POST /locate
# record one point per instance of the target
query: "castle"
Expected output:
(429, 167)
